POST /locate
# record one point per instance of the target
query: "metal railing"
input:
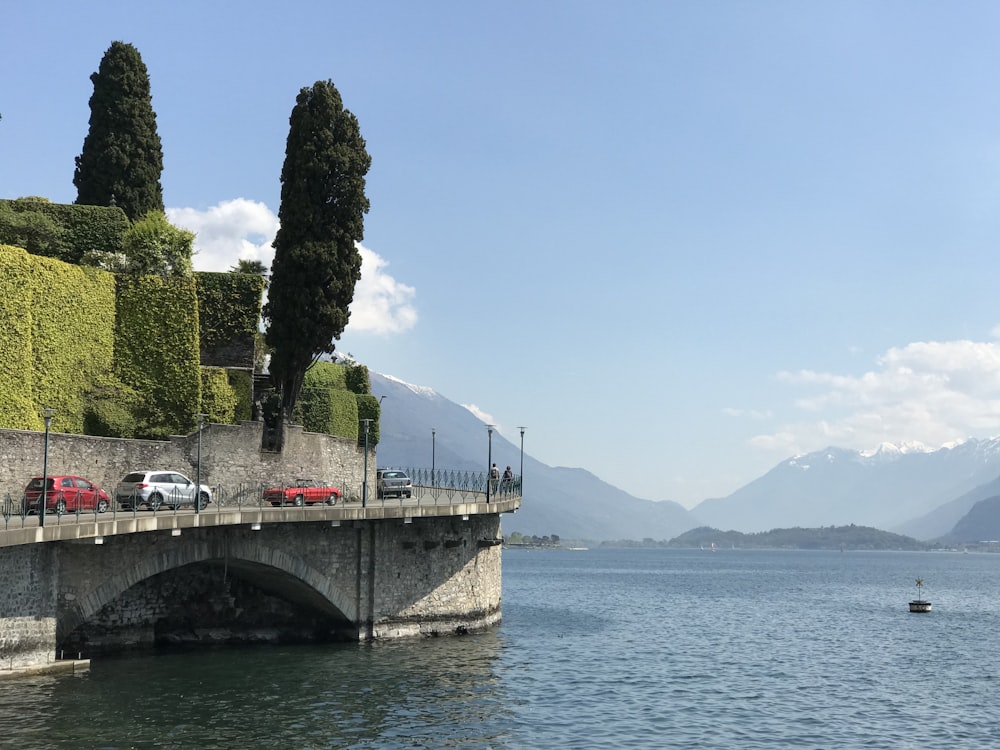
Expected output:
(437, 487)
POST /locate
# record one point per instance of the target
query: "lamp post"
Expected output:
(521, 475)
(197, 489)
(364, 485)
(489, 461)
(45, 467)
(433, 449)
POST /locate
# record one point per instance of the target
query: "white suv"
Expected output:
(156, 488)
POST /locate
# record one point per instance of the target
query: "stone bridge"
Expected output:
(91, 584)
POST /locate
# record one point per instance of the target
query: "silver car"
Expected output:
(156, 488)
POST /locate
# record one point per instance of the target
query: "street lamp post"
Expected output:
(521, 475)
(433, 449)
(197, 489)
(45, 468)
(364, 486)
(489, 461)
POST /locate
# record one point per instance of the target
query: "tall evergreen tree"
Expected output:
(122, 160)
(316, 262)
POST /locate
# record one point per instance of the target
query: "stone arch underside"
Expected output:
(272, 570)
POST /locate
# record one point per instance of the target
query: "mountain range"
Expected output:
(907, 490)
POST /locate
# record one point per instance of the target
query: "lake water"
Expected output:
(598, 649)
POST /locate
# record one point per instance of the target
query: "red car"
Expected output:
(65, 494)
(303, 492)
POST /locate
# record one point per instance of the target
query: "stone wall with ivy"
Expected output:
(157, 353)
(57, 338)
(228, 317)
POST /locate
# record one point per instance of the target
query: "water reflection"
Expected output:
(433, 693)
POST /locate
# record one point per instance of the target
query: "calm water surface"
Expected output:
(601, 648)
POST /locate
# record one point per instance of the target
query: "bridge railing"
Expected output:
(429, 487)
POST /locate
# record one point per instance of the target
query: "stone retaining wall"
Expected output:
(230, 456)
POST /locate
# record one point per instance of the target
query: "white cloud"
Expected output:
(233, 230)
(485, 417)
(929, 392)
(242, 229)
(381, 304)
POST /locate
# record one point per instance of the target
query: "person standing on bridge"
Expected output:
(508, 481)
(494, 479)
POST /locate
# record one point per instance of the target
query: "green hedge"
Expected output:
(110, 409)
(218, 399)
(325, 405)
(242, 385)
(58, 338)
(356, 377)
(369, 408)
(64, 231)
(229, 317)
(156, 351)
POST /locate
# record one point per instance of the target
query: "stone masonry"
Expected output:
(231, 456)
(364, 579)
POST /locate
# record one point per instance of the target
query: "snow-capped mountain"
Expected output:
(887, 488)
(906, 488)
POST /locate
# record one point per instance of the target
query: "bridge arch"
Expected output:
(289, 575)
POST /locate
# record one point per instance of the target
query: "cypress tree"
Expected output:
(122, 160)
(316, 262)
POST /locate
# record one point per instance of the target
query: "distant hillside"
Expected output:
(980, 524)
(835, 486)
(921, 493)
(572, 503)
(943, 518)
(840, 537)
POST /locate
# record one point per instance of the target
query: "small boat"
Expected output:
(920, 604)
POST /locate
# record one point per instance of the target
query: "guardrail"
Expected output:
(430, 487)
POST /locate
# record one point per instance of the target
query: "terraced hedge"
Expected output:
(218, 398)
(328, 403)
(156, 351)
(228, 317)
(64, 231)
(325, 404)
(57, 339)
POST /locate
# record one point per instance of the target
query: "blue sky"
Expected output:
(678, 241)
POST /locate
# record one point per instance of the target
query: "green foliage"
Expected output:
(110, 408)
(254, 267)
(357, 378)
(829, 537)
(242, 384)
(218, 397)
(156, 351)
(122, 158)
(369, 408)
(325, 404)
(35, 231)
(85, 235)
(58, 338)
(229, 317)
(155, 247)
(316, 262)
(326, 375)
(17, 403)
(334, 412)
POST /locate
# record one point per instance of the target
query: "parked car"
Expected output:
(156, 488)
(65, 494)
(393, 482)
(303, 492)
